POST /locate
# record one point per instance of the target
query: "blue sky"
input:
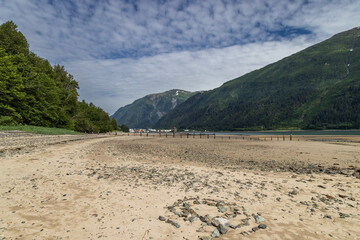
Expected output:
(121, 50)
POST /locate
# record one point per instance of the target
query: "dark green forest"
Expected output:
(32, 92)
(317, 88)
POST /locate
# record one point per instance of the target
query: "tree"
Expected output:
(114, 124)
(11, 87)
(124, 128)
(13, 41)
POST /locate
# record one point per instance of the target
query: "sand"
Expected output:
(117, 187)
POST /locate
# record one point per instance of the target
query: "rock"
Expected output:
(203, 219)
(192, 218)
(205, 238)
(173, 223)
(259, 218)
(177, 213)
(186, 206)
(235, 226)
(254, 229)
(327, 216)
(222, 224)
(221, 221)
(161, 218)
(185, 213)
(215, 233)
(356, 173)
(201, 229)
(222, 209)
(343, 215)
(262, 226)
(293, 192)
(222, 229)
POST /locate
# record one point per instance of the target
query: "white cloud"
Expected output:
(120, 81)
(123, 50)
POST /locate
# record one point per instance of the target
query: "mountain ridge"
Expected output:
(318, 87)
(146, 111)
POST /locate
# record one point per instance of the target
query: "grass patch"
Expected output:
(39, 130)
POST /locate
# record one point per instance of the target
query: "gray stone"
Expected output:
(235, 226)
(215, 233)
(222, 229)
(221, 221)
(161, 218)
(262, 226)
(192, 218)
(293, 192)
(259, 218)
(173, 223)
(205, 238)
(185, 213)
(343, 215)
(222, 209)
(201, 229)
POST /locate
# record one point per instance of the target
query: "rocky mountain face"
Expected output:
(146, 111)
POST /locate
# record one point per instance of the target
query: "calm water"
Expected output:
(323, 132)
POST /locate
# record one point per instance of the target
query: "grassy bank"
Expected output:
(38, 130)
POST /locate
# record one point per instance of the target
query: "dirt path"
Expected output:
(118, 187)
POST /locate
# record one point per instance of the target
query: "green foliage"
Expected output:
(13, 41)
(11, 87)
(7, 121)
(316, 88)
(124, 128)
(32, 92)
(146, 111)
(114, 124)
(92, 119)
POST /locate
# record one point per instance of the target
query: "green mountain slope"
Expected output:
(146, 111)
(318, 87)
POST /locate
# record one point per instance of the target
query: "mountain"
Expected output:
(146, 111)
(316, 88)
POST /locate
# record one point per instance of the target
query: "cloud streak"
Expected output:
(122, 50)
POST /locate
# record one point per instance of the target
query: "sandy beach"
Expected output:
(138, 187)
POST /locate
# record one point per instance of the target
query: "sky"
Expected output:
(122, 50)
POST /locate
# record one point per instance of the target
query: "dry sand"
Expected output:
(117, 187)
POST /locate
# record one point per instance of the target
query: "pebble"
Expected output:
(173, 223)
(205, 238)
(262, 226)
(215, 233)
(259, 218)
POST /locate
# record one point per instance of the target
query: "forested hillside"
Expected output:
(316, 88)
(146, 111)
(33, 92)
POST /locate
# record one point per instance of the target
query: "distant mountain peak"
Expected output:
(146, 111)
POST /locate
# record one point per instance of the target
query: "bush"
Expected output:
(7, 121)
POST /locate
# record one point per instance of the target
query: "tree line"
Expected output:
(33, 92)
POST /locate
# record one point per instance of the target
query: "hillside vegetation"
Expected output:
(316, 88)
(146, 111)
(32, 92)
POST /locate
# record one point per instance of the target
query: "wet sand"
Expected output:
(132, 187)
